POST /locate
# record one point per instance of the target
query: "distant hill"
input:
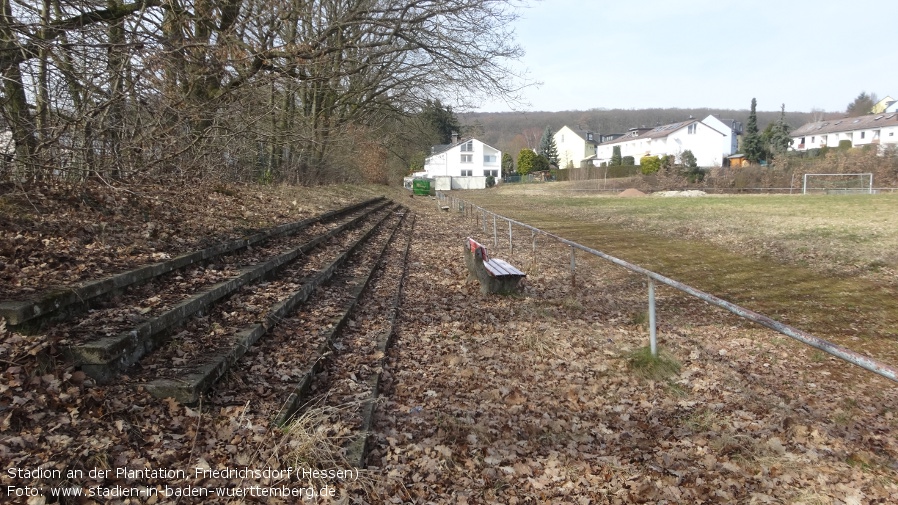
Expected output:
(513, 131)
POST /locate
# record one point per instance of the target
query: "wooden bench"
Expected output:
(495, 275)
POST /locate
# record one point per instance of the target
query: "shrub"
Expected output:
(845, 144)
(628, 161)
(541, 163)
(694, 174)
(688, 159)
(650, 164)
(490, 181)
(525, 161)
(615, 156)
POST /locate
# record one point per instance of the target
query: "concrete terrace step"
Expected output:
(189, 387)
(106, 357)
(52, 303)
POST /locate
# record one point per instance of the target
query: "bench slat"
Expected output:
(501, 268)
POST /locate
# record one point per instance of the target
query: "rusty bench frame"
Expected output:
(495, 275)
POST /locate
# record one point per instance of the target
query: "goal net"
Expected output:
(837, 183)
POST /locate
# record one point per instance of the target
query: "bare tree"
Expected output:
(235, 88)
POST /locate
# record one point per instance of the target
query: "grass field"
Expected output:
(825, 264)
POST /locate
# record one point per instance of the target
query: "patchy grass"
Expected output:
(657, 368)
(824, 263)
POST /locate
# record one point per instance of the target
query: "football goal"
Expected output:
(837, 183)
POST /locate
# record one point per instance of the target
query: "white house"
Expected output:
(467, 161)
(872, 129)
(706, 142)
(574, 146)
(731, 130)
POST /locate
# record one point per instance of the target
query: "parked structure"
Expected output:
(575, 147)
(872, 129)
(710, 140)
(466, 162)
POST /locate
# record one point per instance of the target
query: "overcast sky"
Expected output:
(706, 53)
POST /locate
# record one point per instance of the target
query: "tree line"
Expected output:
(296, 90)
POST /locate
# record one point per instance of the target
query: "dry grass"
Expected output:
(846, 234)
(661, 367)
(827, 264)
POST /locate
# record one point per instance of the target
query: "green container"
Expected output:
(421, 187)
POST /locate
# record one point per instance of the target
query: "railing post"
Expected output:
(495, 233)
(573, 267)
(484, 220)
(510, 240)
(653, 336)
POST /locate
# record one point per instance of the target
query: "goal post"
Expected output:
(837, 183)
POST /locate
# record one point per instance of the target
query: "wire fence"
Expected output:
(503, 231)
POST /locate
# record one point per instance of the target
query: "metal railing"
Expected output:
(888, 371)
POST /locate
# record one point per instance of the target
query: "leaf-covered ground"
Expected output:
(532, 399)
(521, 399)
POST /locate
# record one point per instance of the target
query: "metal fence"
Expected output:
(451, 203)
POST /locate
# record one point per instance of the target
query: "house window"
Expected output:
(491, 173)
(468, 147)
(692, 128)
(467, 173)
(490, 158)
(467, 158)
(812, 139)
(863, 134)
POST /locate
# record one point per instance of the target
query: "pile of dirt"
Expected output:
(631, 192)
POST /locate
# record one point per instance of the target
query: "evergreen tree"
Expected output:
(615, 156)
(779, 138)
(752, 145)
(861, 105)
(441, 120)
(507, 164)
(548, 148)
(541, 163)
(688, 159)
(526, 159)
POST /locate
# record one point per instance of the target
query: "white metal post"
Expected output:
(653, 337)
(573, 266)
(510, 241)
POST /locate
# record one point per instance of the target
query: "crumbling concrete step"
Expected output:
(300, 393)
(103, 359)
(189, 388)
(357, 451)
(20, 312)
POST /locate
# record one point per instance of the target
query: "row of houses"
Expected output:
(879, 130)
(712, 140)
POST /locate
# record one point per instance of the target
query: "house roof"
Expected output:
(441, 148)
(847, 124)
(734, 125)
(583, 134)
(654, 133)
